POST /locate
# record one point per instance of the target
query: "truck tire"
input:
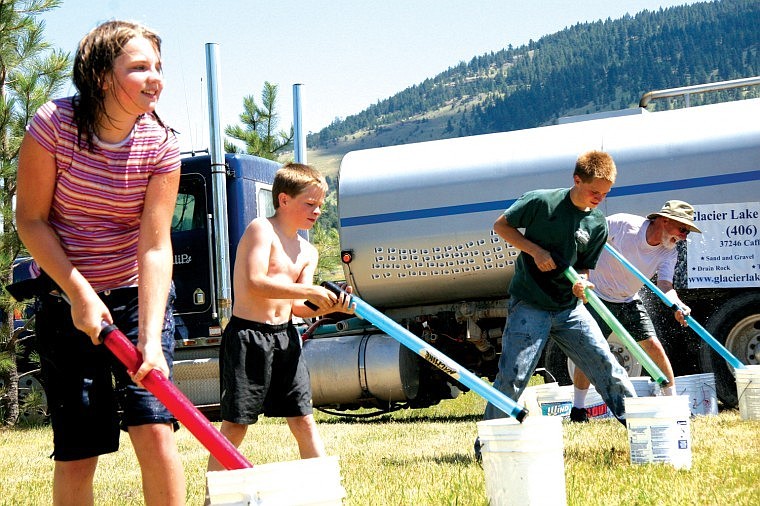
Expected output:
(33, 408)
(32, 398)
(562, 368)
(736, 325)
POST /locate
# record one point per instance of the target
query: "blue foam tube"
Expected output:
(693, 324)
(433, 356)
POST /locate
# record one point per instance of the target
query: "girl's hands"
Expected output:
(153, 358)
(88, 312)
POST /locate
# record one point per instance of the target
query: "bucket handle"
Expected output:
(545, 372)
(749, 383)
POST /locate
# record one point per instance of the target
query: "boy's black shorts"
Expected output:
(262, 370)
(89, 393)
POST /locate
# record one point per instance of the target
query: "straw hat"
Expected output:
(679, 211)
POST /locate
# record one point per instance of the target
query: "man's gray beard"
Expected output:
(667, 240)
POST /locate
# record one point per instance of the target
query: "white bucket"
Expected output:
(529, 400)
(643, 385)
(701, 391)
(523, 462)
(555, 400)
(294, 483)
(544, 387)
(748, 391)
(659, 430)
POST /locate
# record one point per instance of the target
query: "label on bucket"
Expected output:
(595, 406)
(659, 430)
(660, 441)
(556, 401)
(556, 408)
(598, 410)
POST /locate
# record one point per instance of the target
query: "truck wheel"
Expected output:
(624, 356)
(736, 325)
(562, 368)
(31, 398)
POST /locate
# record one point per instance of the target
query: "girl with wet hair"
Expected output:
(97, 183)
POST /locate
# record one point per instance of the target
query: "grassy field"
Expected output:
(425, 457)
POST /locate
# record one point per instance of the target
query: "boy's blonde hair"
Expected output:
(595, 164)
(293, 178)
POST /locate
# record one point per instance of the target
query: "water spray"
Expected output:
(692, 323)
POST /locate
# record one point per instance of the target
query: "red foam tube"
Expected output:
(175, 401)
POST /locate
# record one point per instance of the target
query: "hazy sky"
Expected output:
(348, 54)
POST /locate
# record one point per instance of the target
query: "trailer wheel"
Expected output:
(736, 325)
(624, 357)
(562, 368)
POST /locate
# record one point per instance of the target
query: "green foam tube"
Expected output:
(623, 334)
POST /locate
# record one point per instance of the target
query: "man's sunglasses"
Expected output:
(683, 230)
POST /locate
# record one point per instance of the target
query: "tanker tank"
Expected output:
(418, 218)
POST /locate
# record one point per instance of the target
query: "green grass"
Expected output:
(425, 457)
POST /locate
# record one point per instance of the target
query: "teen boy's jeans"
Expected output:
(526, 333)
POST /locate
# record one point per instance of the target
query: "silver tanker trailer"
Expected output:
(417, 244)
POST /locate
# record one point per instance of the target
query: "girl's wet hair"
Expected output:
(93, 63)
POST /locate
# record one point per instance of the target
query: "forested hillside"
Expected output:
(589, 67)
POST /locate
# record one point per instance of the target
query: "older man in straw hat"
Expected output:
(650, 245)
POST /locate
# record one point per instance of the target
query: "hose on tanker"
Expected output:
(306, 334)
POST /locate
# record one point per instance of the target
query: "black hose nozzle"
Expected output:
(333, 287)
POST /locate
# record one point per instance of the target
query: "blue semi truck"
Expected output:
(417, 244)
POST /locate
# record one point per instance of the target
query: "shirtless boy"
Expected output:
(261, 366)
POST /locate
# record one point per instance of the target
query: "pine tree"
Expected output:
(31, 72)
(259, 127)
